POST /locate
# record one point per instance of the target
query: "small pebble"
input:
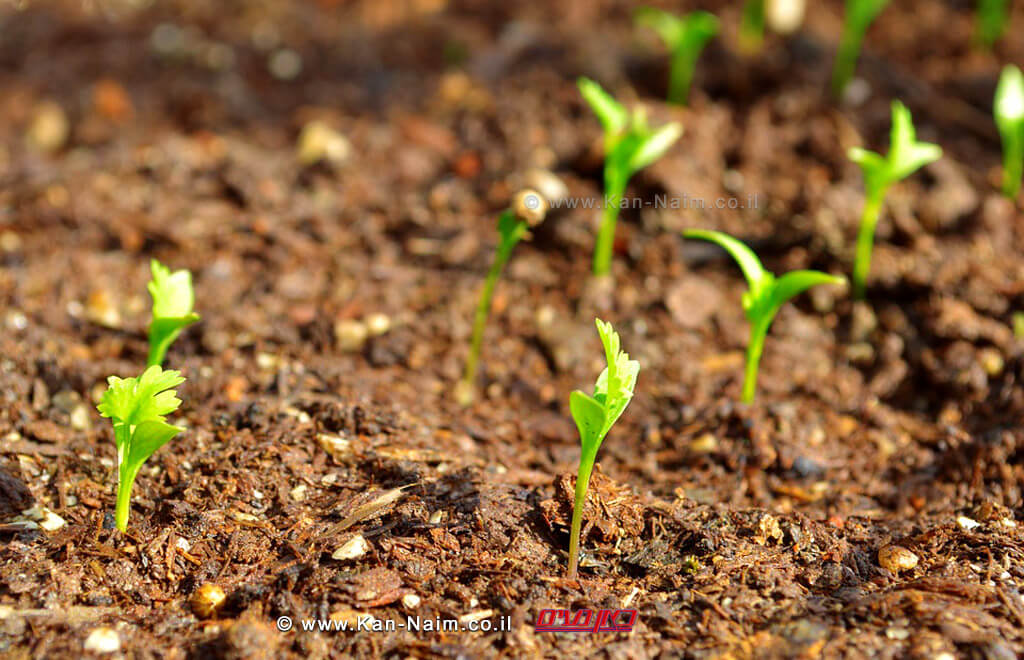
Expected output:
(334, 445)
(80, 420)
(299, 493)
(351, 335)
(207, 600)
(991, 361)
(411, 601)
(785, 16)
(856, 93)
(354, 548)
(896, 558)
(50, 127)
(103, 640)
(167, 40)
(318, 142)
(378, 324)
(706, 443)
(285, 64)
(967, 524)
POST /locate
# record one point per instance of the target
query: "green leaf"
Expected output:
(906, 154)
(172, 292)
(757, 277)
(653, 146)
(1009, 102)
(610, 113)
(796, 282)
(616, 383)
(148, 437)
(589, 417)
(132, 401)
(993, 17)
(510, 228)
(861, 13)
(173, 299)
(668, 26)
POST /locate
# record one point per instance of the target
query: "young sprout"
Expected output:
(859, 16)
(1009, 112)
(752, 26)
(137, 408)
(686, 37)
(594, 417)
(629, 146)
(529, 209)
(172, 308)
(906, 155)
(993, 15)
(765, 295)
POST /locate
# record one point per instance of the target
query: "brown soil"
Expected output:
(736, 531)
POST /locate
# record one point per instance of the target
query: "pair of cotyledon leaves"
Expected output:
(630, 143)
(906, 155)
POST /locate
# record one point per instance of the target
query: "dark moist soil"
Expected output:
(736, 531)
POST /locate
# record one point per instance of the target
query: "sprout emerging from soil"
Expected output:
(1009, 112)
(859, 16)
(137, 408)
(752, 26)
(529, 209)
(766, 294)
(906, 156)
(685, 36)
(172, 309)
(993, 16)
(594, 417)
(630, 145)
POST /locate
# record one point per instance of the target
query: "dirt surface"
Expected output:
(736, 531)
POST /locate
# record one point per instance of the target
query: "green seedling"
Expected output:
(752, 26)
(859, 16)
(172, 309)
(765, 295)
(1009, 112)
(992, 18)
(685, 37)
(629, 146)
(137, 408)
(513, 226)
(594, 417)
(906, 156)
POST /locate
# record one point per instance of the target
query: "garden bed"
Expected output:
(734, 530)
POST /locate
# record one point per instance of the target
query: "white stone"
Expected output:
(103, 640)
(354, 548)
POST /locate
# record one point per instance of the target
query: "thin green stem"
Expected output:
(846, 59)
(603, 248)
(124, 502)
(992, 20)
(752, 26)
(1013, 164)
(680, 78)
(582, 483)
(758, 332)
(866, 241)
(158, 349)
(122, 438)
(483, 308)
